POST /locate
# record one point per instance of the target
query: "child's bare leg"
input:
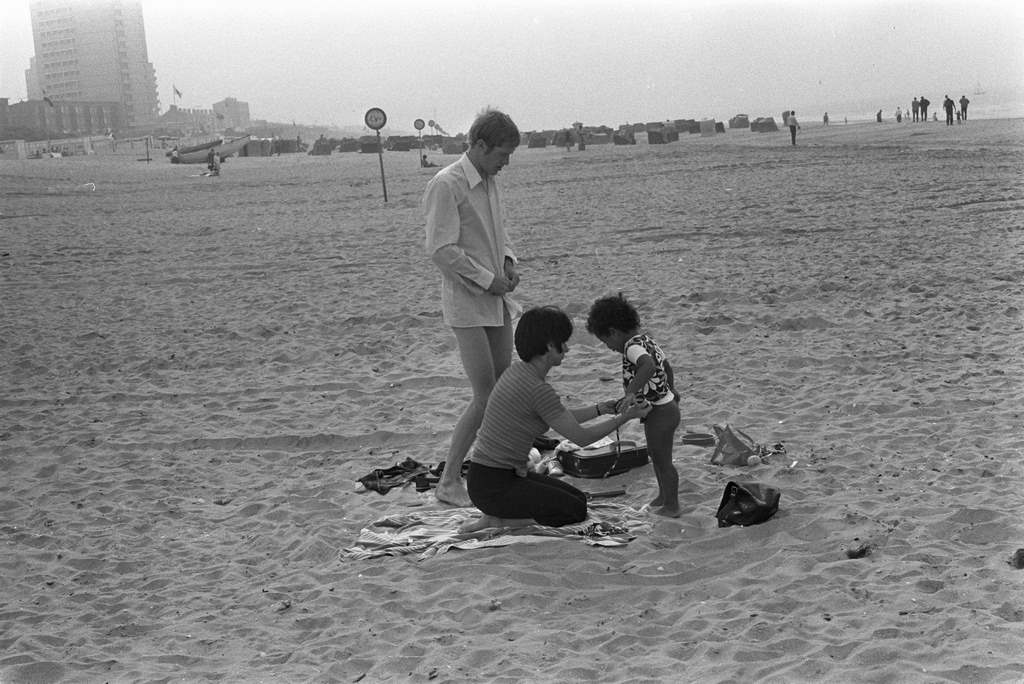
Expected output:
(659, 428)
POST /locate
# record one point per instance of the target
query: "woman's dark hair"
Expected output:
(540, 327)
(612, 312)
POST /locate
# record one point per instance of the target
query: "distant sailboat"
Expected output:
(977, 89)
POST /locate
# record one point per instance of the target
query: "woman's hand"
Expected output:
(636, 409)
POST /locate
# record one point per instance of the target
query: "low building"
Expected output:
(48, 118)
(182, 123)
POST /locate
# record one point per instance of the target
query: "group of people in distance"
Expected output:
(513, 403)
(919, 108)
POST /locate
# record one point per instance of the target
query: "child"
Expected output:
(646, 374)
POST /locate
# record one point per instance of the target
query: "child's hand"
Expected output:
(608, 408)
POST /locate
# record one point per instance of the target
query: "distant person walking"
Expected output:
(924, 108)
(949, 106)
(466, 240)
(793, 125)
(825, 118)
(915, 108)
(963, 106)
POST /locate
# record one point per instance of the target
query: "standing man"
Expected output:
(963, 107)
(948, 105)
(914, 106)
(924, 102)
(793, 125)
(466, 240)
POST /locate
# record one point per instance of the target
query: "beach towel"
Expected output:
(430, 533)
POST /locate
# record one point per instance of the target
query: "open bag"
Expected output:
(734, 447)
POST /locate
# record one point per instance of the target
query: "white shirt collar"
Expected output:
(473, 176)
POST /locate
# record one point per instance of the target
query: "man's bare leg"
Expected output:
(485, 353)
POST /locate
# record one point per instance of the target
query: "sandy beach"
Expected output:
(197, 370)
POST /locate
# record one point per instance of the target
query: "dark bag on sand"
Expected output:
(734, 446)
(615, 458)
(747, 503)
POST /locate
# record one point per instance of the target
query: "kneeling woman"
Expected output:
(521, 407)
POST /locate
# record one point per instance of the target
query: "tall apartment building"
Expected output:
(93, 51)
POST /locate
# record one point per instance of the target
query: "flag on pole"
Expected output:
(176, 91)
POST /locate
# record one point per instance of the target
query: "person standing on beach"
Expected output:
(213, 163)
(914, 107)
(466, 240)
(963, 107)
(793, 125)
(646, 377)
(924, 108)
(949, 105)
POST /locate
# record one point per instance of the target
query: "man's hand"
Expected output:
(500, 285)
(511, 274)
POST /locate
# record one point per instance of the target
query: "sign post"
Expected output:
(418, 125)
(375, 119)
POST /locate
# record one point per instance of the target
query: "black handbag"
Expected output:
(747, 503)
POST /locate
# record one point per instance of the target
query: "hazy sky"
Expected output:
(551, 62)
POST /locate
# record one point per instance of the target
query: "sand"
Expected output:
(196, 370)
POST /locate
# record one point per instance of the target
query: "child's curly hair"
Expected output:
(612, 312)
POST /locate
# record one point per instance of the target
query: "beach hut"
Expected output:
(257, 147)
(707, 128)
(453, 147)
(536, 141)
(763, 124)
(624, 137)
(688, 125)
(739, 121)
(348, 145)
(656, 137)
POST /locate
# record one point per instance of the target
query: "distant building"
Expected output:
(38, 119)
(181, 122)
(93, 52)
(232, 113)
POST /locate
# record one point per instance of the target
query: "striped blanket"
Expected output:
(429, 533)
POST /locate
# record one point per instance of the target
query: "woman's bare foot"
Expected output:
(453, 494)
(657, 502)
(485, 522)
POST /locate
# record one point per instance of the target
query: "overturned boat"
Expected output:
(199, 154)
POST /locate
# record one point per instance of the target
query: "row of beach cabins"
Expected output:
(653, 133)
